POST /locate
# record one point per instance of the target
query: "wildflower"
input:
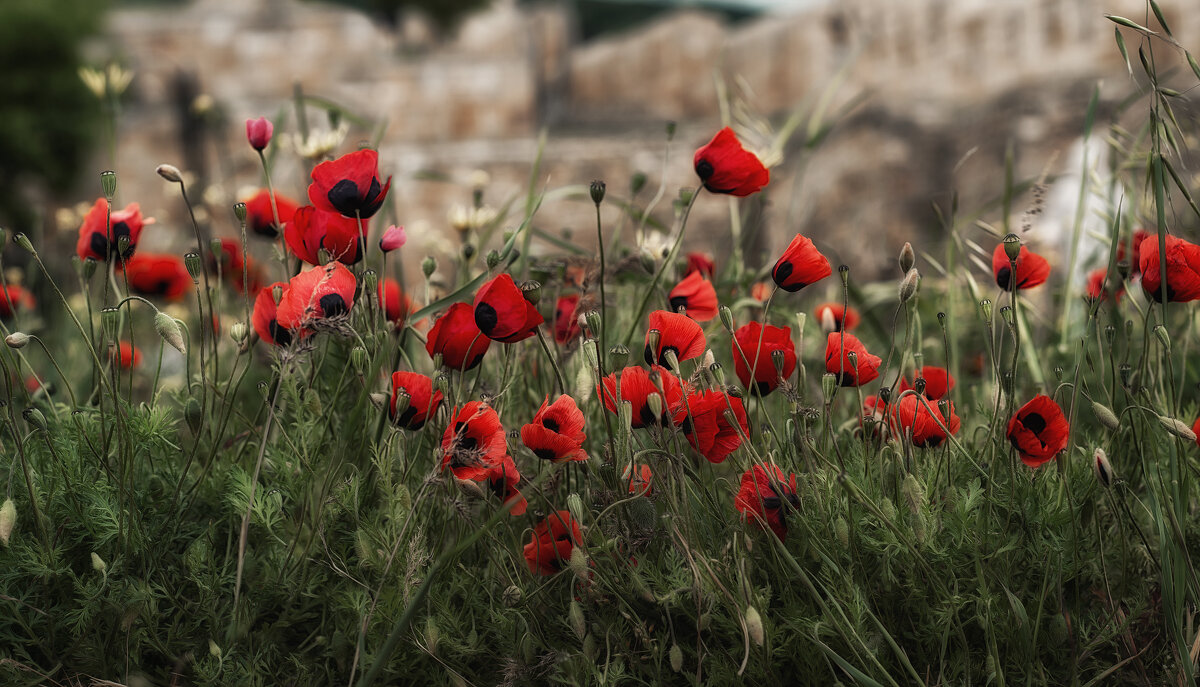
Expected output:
(556, 432)
(838, 348)
(1183, 269)
(310, 229)
(753, 348)
(240, 269)
(724, 166)
(760, 291)
(1196, 430)
(349, 185)
(703, 419)
(833, 317)
(566, 324)
(938, 381)
(258, 132)
(395, 303)
(502, 480)
(422, 402)
(265, 320)
(260, 217)
(762, 494)
(1139, 235)
(316, 294)
(800, 265)
(13, 298)
(1038, 430)
(1100, 287)
(696, 296)
(1032, 269)
(100, 242)
(457, 339)
(637, 387)
(919, 420)
(702, 263)
(552, 542)
(638, 477)
(393, 237)
(126, 355)
(473, 441)
(502, 313)
(678, 333)
(158, 274)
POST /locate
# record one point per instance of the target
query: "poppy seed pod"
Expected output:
(241, 212)
(829, 384)
(985, 309)
(1012, 246)
(170, 173)
(108, 184)
(237, 331)
(1163, 338)
(23, 241)
(597, 191)
(110, 320)
(618, 355)
(1177, 427)
(191, 261)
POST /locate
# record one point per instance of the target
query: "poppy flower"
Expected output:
(99, 241)
(237, 267)
(1100, 287)
(261, 218)
(14, 298)
(423, 401)
(678, 333)
(316, 294)
(833, 319)
(1038, 430)
(473, 441)
(158, 274)
(566, 325)
(502, 313)
(556, 432)
(264, 319)
(552, 542)
(1183, 269)
(1196, 430)
(938, 381)
(1139, 235)
(455, 336)
(753, 347)
(1032, 269)
(258, 132)
(762, 495)
(838, 348)
(917, 420)
(638, 478)
(502, 480)
(760, 291)
(702, 263)
(395, 303)
(393, 237)
(696, 296)
(310, 229)
(349, 185)
(637, 387)
(702, 420)
(126, 355)
(800, 265)
(724, 166)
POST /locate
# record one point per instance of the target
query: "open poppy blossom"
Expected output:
(753, 349)
(566, 324)
(395, 303)
(1032, 269)
(919, 420)
(834, 318)
(556, 432)
(455, 336)
(637, 386)
(126, 355)
(310, 229)
(838, 348)
(158, 274)
(99, 241)
(675, 332)
(502, 480)
(703, 421)
(1183, 269)
(696, 296)
(473, 442)
(800, 265)
(1135, 246)
(762, 497)
(264, 319)
(14, 298)
(938, 381)
(349, 185)
(552, 542)
(724, 166)
(316, 294)
(261, 218)
(1100, 287)
(502, 313)
(1038, 430)
(422, 401)
(237, 267)
(638, 477)
(702, 263)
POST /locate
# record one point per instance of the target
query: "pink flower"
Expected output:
(393, 238)
(258, 132)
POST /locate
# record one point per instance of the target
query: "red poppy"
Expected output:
(702, 263)
(395, 303)
(473, 441)
(760, 291)
(310, 229)
(422, 403)
(1183, 269)
(14, 298)
(678, 333)
(258, 132)
(158, 274)
(556, 432)
(762, 495)
(637, 387)
(264, 317)
(1196, 430)
(502, 313)
(349, 185)
(316, 294)
(100, 242)
(696, 296)
(566, 324)
(753, 347)
(552, 542)
(237, 267)
(838, 348)
(261, 218)
(126, 355)
(938, 381)
(638, 478)
(455, 336)
(724, 166)
(1139, 235)
(800, 265)
(703, 421)
(1032, 269)
(502, 480)
(919, 420)
(1099, 286)
(832, 318)
(1038, 430)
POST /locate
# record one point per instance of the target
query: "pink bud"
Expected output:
(258, 132)
(392, 239)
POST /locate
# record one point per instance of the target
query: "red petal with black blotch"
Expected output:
(938, 382)
(423, 401)
(920, 420)
(556, 432)
(702, 263)
(316, 294)
(1038, 430)
(502, 313)
(696, 295)
(1196, 430)
(349, 185)
(473, 441)
(1100, 286)
(14, 298)
(566, 325)
(1183, 269)
(264, 317)
(1032, 269)
(260, 217)
(701, 418)
(99, 240)
(765, 495)
(724, 166)
(312, 229)
(800, 265)
(456, 337)
(752, 349)
(552, 542)
(639, 479)
(395, 303)
(158, 274)
(636, 387)
(833, 312)
(502, 480)
(676, 332)
(126, 355)
(838, 348)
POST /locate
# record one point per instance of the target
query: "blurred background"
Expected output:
(893, 106)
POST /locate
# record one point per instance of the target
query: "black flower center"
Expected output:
(550, 424)
(704, 170)
(486, 318)
(544, 453)
(333, 305)
(282, 336)
(344, 197)
(679, 302)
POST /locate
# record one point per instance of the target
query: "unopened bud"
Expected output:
(575, 507)
(17, 340)
(110, 320)
(655, 403)
(428, 266)
(636, 183)
(842, 531)
(754, 625)
(170, 173)
(575, 616)
(1177, 427)
(23, 241)
(193, 413)
(1103, 469)
(492, 259)
(108, 184)
(908, 285)
(168, 328)
(431, 635)
(1012, 247)
(8, 520)
(726, 316)
(844, 274)
(1106, 416)
(214, 650)
(1163, 338)
(829, 384)
(591, 353)
(676, 657)
(597, 191)
(914, 494)
(907, 258)
(512, 595)
(98, 564)
(34, 417)
(592, 319)
(358, 358)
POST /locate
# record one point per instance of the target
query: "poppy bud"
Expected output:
(358, 358)
(17, 340)
(597, 191)
(1177, 427)
(842, 531)
(676, 657)
(110, 319)
(431, 635)
(1006, 314)
(1163, 338)
(34, 417)
(1123, 269)
(370, 280)
(907, 258)
(532, 291)
(575, 506)
(726, 316)
(23, 241)
(1106, 416)
(829, 384)
(88, 268)
(1012, 246)
(8, 520)
(194, 415)
(258, 132)
(428, 266)
(491, 259)
(191, 260)
(1103, 469)
(1058, 372)
(1125, 372)
(844, 274)
(908, 285)
(888, 509)
(578, 563)
(618, 355)
(914, 495)
(625, 418)
(985, 308)
(754, 625)
(575, 616)
(170, 173)
(214, 650)
(168, 328)
(393, 237)
(123, 245)
(98, 564)
(591, 354)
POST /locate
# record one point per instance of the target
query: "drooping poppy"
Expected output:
(556, 432)
(753, 349)
(552, 542)
(838, 348)
(638, 478)
(310, 229)
(696, 296)
(126, 355)
(800, 265)
(99, 241)
(1101, 287)
(702, 263)
(502, 313)
(702, 419)
(724, 166)
(260, 217)
(566, 324)
(1038, 430)
(938, 381)
(349, 185)
(473, 441)
(456, 337)
(502, 480)
(832, 318)
(264, 318)
(13, 298)
(395, 303)
(637, 387)
(422, 401)
(677, 333)
(919, 420)
(158, 274)
(1183, 269)
(1032, 269)
(762, 497)
(316, 294)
